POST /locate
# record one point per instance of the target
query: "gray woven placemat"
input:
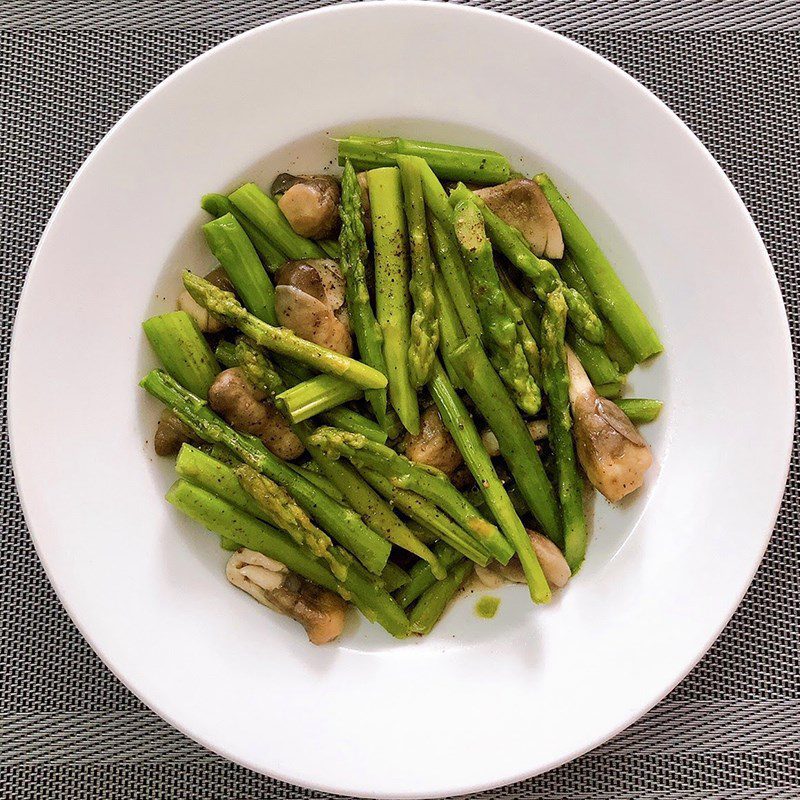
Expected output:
(68, 70)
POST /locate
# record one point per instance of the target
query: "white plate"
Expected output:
(479, 703)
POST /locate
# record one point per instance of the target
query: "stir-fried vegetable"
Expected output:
(416, 401)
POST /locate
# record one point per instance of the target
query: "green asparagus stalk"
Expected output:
(264, 214)
(543, 275)
(427, 516)
(613, 299)
(500, 329)
(228, 521)
(451, 333)
(424, 326)
(475, 496)
(431, 605)
(341, 523)
(421, 578)
(214, 476)
(448, 161)
(353, 244)
(454, 273)
(394, 577)
(280, 340)
(311, 397)
(275, 501)
(428, 482)
(183, 350)
(556, 383)
(349, 420)
(233, 249)
(218, 205)
(391, 289)
(257, 368)
(458, 421)
(486, 389)
(226, 354)
(331, 248)
(616, 351)
(640, 410)
(596, 361)
(310, 473)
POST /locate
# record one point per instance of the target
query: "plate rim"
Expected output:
(766, 266)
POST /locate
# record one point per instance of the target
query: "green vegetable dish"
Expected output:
(398, 379)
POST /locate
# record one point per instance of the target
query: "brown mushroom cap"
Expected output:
(522, 204)
(310, 203)
(171, 433)
(309, 299)
(433, 445)
(243, 406)
(611, 450)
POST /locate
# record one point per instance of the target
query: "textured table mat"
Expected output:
(68, 70)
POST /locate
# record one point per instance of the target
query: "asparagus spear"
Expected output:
(394, 577)
(183, 350)
(571, 275)
(235, 525)
(486, 389)
(447, 161)
(426, 515)
(431, 605)
(218, 205)
(226, 354)
(353, 242)
(424, 327)
(373, 509)
(288, 516)
(596, 361)
(556, 383)
(265, 215)
(341, 523)
(428, 482)
(258, 368)
(331, 248)
(391, 289)
(451, 332)
(454, 273)
(459, 422)
(349, 420)
(209, 473)
(421, 578)
(234, 251)
(613, 299)
(499, 325)
(280, 340)
(312, 475)
(544, 276)
(318, 394)
(639, 410)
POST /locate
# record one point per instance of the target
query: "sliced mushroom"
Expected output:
(309, 299)
(433, 445)
(310, 203)
(207, 322)
(611, 450)
(537, 427)
(522, 204)
(552, 560)
(171, 433)
(318, 610)
(244, 408)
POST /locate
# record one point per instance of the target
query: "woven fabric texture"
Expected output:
(69, 729)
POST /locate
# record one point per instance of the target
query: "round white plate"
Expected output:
(479, 703)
